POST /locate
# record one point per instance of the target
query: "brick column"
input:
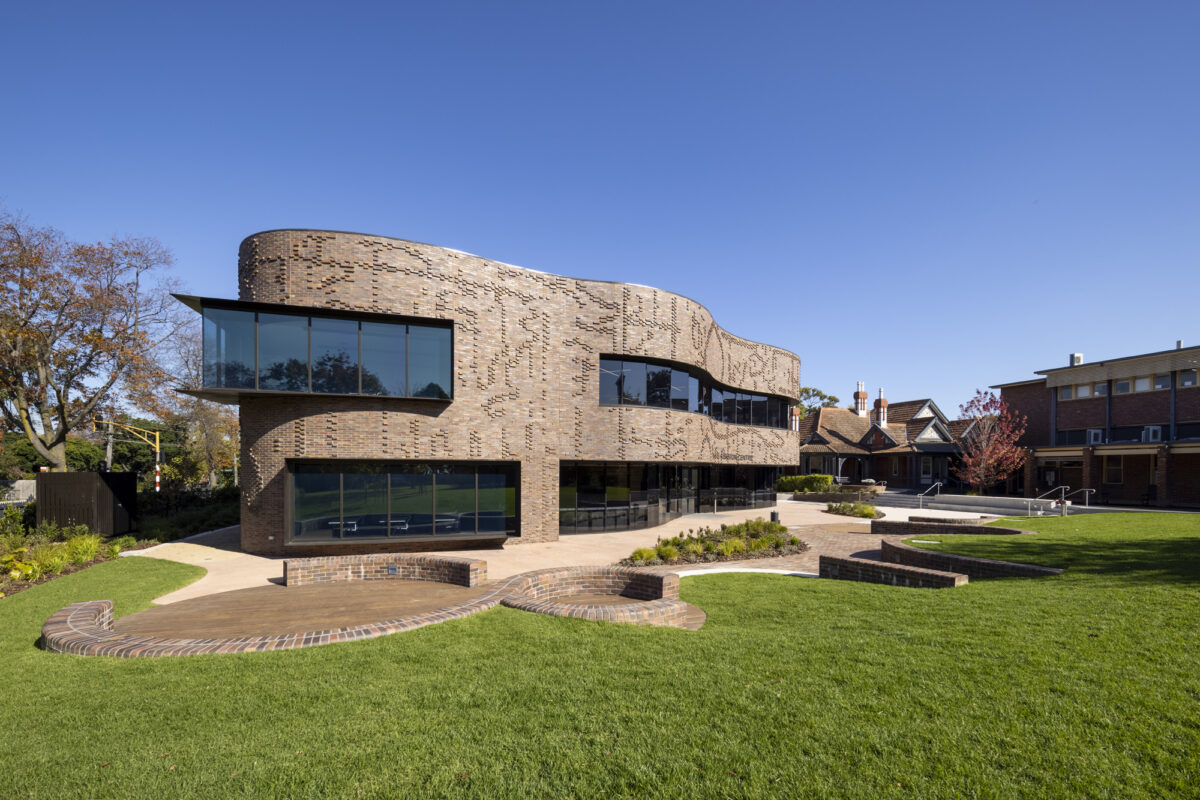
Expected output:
(1030, 474)
(1089, 479)
(1160, 476)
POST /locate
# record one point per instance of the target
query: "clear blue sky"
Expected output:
(930, 197)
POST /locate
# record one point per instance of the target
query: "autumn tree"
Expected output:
(812, 398)
(990, 452)
(78, 322)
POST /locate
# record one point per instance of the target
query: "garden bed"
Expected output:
(754, 538)
(854, 509)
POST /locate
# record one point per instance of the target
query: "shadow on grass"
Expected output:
(1150, 560)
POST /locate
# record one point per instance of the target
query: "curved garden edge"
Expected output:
(86, 628)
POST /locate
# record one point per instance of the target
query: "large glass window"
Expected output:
(429, 361)
(334, 355)
(367, 500)
(455, 504)
(679, 390)
(758, 410)
(610, 382)
(316, 503)
(228, 348)
(383, 358)
(633, 384)
(658, 386)
(283, 352)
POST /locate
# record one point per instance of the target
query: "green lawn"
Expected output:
(1084, 685)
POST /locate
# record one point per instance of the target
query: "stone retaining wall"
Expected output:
(972, 521)
(384, 566)
(835, 497)
(549, 591)
(974, 567)
(866, 571)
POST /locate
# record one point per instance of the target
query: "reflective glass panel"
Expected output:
(412, 500)
(429, 361)
(228, 349)
(283, 352)
(717, 405)
(679, 390)
(364, 503)
(743, 408)
(316, 503)
(497, 498)
(758, 409)
(610, 382)
(455, 512)
(633, 384)
(705, 405)
(383, 358)
(658, 386)
(334, 355)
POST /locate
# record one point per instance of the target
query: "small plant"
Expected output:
(82, 549)
(693, 548)
(11, 522)
(804, 483)
(731, 546)
(645, 554)
(865, 510)
(668, 552)
(50, 558)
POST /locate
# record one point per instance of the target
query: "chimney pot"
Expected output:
(1179, 344)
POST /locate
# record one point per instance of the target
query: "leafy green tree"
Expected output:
(812, 398)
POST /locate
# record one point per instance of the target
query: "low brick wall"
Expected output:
(835, 497)
(951, 527)
(866, 571)
(549, 591)
(971, 521)
(974, 567)
(384, 566)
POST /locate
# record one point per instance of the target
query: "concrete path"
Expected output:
(229, 568)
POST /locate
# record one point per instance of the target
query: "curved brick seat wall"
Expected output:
(384, 566)
(947, 528)
(549, 591)
(974, 567)
(86, 628)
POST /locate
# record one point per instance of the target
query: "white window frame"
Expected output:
(1095, 436)
(1143, 383)
(1083, 390)
(1128, 386)
(1100, 389)
(1152, 433)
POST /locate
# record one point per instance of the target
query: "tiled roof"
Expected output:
(902, 412)
(844, 431)
(958, 426)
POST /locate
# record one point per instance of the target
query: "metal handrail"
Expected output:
(921, 496)
(1086, 494)
(1063, 489)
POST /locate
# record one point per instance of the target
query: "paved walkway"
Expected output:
(229, 568)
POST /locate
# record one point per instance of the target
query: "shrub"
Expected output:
(12, 522)
(668, 552)
(82, 549)
(804, 483)
(645, 554)
(865, 510)
(731, 546)
(17, 566)
(115, 546)
(50, 558)
(694, 548)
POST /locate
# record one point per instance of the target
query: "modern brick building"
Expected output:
(907, 445)
(400, 396)
(1127, 428)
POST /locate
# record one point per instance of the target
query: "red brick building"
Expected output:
(908, 445)
(1126, 428)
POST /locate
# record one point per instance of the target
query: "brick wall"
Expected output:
(912, 527)
(526, 373)
(973, 567)
(334, 569)
(860, 569)
(1187, 404)
(1185, 479)
(1086, 413)
(1032, 400)
(1141, 408)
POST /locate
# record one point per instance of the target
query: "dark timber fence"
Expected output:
(104, 501)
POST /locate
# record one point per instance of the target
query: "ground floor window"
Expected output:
(1112, 469)
(595, 496)
(340, 500)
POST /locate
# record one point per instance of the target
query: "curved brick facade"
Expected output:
(526, 374)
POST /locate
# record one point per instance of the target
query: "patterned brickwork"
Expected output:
(526, 373)
(86, 628)
(894, 553)
(379, 567)
(867, 571)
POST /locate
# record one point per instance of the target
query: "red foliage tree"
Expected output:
(990, 452)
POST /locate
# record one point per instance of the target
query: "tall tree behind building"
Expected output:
(78, 323)
(989, 449)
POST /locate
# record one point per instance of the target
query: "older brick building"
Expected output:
(907, 445)
(1127, 428)
(395, 395)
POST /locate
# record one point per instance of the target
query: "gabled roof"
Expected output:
(960, 427)
(842, 431)
(900, 413)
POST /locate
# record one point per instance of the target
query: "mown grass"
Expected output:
(1084, 685)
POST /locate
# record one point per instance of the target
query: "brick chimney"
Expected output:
(860, 400)
(881, 410)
